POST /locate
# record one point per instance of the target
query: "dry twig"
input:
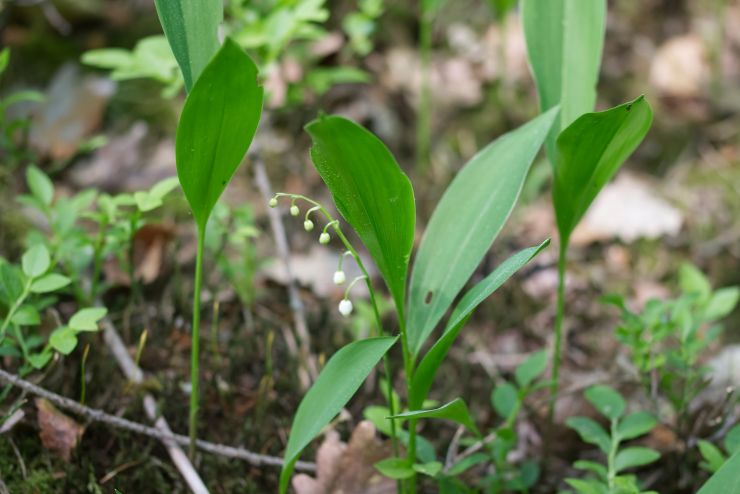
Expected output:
(121, 423)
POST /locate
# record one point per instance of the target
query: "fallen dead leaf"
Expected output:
(59, 433)
(628, 209)
(348, 468)
(150, 248)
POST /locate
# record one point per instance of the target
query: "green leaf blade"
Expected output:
(456, 410)
(427, 369)
(591, 432)
(606, 400)
(726, 480)
(635, 457)
(466, 221)
(370, 191)
(635, 425)
(35, 261)
(87, 319)
(564, 40)
(343, 374)
(217, 126)
(50, 283)
(191, 27)
(590, 151)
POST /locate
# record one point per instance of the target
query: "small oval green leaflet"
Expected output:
(216, 127)
(456, 410)
(339, 380)
(590, 151)
(370, 192)
(191, 27)
(466, 221)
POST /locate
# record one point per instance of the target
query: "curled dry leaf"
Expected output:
(59, 433)
(348, 468)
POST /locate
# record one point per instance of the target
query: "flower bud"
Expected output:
(308, 225)
(294, 211)
(273, 202)
(324, 238)
(339, 277)
(345, 307)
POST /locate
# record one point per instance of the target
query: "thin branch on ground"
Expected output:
(97, 415)
(309, 367)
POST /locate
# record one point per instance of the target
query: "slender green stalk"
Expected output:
(559, 315)
(612, 457)
(83, 381)
(14, 308)
(195, 347)
(98, 258)
(387, 369)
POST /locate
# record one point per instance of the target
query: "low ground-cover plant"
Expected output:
(668, 337)
(609, 478)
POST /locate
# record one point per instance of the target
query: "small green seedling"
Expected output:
(564, 44)
(609, 478)
(376, 198)
(668, 337)
(216, 127)
(507, 399)
(25, 292)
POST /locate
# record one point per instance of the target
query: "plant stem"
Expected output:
(16, 305)
(559, 315)
(195, 346)
(98, 258)
(611, 459)
(386, 361)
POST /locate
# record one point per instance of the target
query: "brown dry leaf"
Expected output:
(59, 433)
(680, 68)
(348, 468)
(628, 209)
(71, 112)
(150, 248)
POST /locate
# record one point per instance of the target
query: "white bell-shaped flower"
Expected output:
(339, 277)
(345, 307)
(308, 225)
(324, 238)
(294, 211)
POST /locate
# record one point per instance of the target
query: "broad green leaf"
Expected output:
(713, 457)
(191, 27)
(721, 303)
(634, 457)
(40, 185)
(591, 466)
(693, 281)
(456, 410)
(531, 368)
(466, 221)
(370, 191)
(732, 440)
(217, 125)
(424, 374)
(607, 401)
(63, 340)
(26, 315)
(590, 151)
(39, 360)
(726, 480)
(591, 432)
(467, 463)
(635, 425)
(564, 44)
(395, 468)
(11, 283)
(587, 486)
(431, 468)
(339, 380)
(50, 283)
(35, 261)
(87, 319)
(504, 399)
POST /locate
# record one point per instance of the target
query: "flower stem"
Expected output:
(195, 345)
